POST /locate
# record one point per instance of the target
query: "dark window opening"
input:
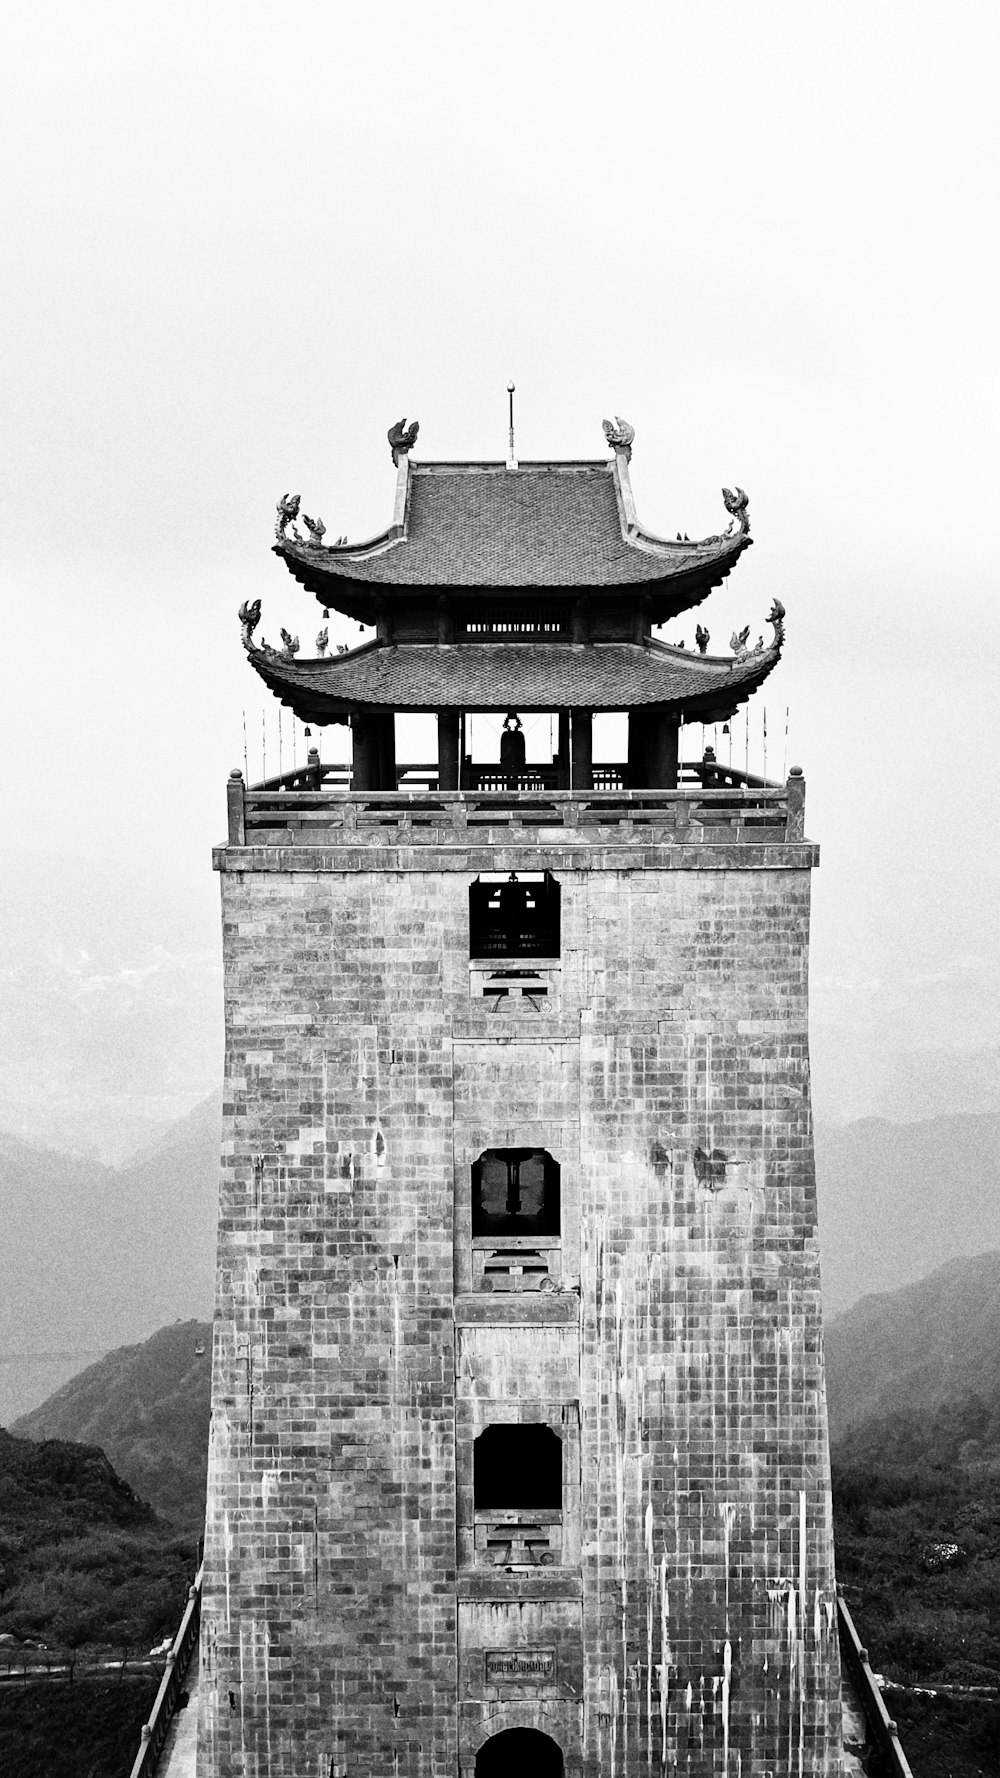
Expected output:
(515, 1191)
(514, 621)
(527, 1752)
(515, 916)
(518, 1468)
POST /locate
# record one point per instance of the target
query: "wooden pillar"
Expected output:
(637, 771)
(386, 726)
(447, 749)
(562, 775)
(662, 750)
(582, 750)
(364, 735)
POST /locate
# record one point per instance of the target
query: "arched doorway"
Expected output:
(519, 1753)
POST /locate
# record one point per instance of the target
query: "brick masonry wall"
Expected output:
(691, 1617)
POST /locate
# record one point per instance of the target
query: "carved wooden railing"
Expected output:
(607, 775)
(154, 1731)
(882, 1732)
(739, 811)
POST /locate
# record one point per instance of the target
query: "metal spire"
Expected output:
(511, 459)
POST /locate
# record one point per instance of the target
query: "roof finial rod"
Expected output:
(511, 459)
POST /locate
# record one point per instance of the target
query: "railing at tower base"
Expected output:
(882, 1732)
(154, 1732)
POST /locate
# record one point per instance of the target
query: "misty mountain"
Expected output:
(94, 1257)
(896, 1200)
(919, 1349)
(110, 1002)
(147, 1406)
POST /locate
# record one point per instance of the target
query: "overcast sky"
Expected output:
(241, 241)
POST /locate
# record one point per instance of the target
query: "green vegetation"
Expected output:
(916, 1505)
(88, 1729)
(84, 1563)
(917, 1518)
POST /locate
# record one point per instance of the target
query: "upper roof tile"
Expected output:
(541, 525)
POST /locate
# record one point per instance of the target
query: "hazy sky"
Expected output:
(241, 241)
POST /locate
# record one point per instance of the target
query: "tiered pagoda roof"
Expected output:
(501, 586)
(489, 676)
(558, 525)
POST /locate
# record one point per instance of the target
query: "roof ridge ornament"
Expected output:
(402, 439)
(739, 638)
(249, 616)
(288, 509)
(737, 503)
(619, 435)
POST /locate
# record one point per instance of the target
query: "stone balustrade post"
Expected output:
(235, 807)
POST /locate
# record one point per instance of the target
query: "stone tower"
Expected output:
(519, 1454)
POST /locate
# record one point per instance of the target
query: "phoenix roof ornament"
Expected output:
(619, 435)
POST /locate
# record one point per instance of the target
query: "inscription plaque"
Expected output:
(520, 1666)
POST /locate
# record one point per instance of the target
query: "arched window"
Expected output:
(514, 916)
(527, 1752)
(515, 1191)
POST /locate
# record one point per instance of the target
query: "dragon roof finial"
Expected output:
(738, 503)
(619, 435)
(249, 616)
(402, 438)
(288, 509)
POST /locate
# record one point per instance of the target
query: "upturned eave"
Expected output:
(424, 677)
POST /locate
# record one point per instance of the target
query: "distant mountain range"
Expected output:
(95, 1257)
(918, 1349)
(147, 1407)
(897, 1200)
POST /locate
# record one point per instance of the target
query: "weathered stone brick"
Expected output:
(689, 1621)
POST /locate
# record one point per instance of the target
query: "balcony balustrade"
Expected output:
(713, 805)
